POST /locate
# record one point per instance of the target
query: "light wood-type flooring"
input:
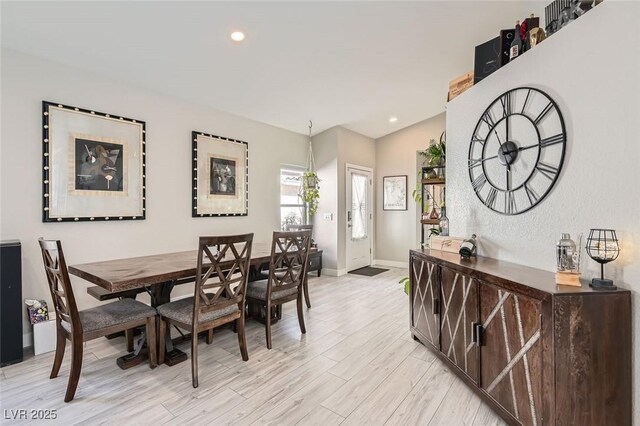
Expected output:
(357, 365)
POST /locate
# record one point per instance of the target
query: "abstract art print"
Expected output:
(394, 195)
(93, 165)
(220, 176)
(98, 165)
(223, 176)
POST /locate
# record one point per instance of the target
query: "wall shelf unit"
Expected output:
(433, 190)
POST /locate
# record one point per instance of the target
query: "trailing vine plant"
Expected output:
(311, 191)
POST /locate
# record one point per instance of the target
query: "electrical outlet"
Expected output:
(328, 216)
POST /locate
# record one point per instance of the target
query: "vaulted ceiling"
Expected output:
(354, 64)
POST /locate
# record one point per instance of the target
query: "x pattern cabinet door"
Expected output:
(459, 312)
(425, 305)
(511, 352)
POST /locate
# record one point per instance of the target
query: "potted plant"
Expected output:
(311, 191)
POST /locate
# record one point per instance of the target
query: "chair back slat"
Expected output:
(222, 273)
(60, 285)
(289, 259)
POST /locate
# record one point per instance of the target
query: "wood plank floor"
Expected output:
(357, 365)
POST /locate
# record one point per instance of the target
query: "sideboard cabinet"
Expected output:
(537, 353)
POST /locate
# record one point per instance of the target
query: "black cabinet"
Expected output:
(10, 303)
(315, 262)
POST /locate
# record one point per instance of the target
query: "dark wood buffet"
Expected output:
(537, 353)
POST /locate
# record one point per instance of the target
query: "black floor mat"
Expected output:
(368, 271)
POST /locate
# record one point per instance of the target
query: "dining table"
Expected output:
(158, 274)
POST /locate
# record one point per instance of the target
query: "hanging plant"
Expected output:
(310, 181)
(311, 191)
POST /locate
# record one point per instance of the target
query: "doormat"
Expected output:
(368, 271)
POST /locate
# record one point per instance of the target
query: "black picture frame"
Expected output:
(108, 183)
(220, 176)
(394, 187)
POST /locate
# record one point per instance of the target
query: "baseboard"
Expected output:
(391, 263)
(334, 272)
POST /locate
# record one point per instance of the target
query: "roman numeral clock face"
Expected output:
(517, 150)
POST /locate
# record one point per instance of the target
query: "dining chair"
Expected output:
(222, 273)
(305, 284)
(287, 273)
(82, 326)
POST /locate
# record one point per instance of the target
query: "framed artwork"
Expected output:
(93, 165)
(220, 176)
(394, 192)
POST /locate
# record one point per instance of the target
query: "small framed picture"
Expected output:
(93, 165)
(394, 192)
(220, 176)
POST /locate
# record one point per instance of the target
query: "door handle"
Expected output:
(436, 307)
(477, 333)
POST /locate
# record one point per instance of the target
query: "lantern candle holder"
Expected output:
(602, 246)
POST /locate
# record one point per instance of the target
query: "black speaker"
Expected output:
(10, 302)
(487, 59)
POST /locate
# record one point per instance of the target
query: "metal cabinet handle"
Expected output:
(436, 307)
(477, 332)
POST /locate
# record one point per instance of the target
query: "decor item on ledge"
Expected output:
(93, 165)
(458, 85)
(444, 222)
(560, 13)
(394, 192)
(517, 151)
(220, 176)
(602, 246)
(487, 59)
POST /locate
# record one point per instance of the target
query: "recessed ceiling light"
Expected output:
(237, 36)
(393, 119)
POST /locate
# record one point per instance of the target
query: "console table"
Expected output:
(537, 353)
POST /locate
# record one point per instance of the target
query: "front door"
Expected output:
(359, 217)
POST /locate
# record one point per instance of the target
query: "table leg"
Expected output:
(160, 294)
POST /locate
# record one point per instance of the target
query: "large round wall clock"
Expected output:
(517, 150)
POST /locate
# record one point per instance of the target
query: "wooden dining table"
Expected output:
(158, 274)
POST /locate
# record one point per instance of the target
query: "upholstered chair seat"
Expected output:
(258, 290)
(112, 314)
(182, 311)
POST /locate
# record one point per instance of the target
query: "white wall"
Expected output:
(325, 150)
(357, 150)
(26, 81)
(592, 70)
(399, 231)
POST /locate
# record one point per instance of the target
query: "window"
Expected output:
(359, 206)
(293, 210)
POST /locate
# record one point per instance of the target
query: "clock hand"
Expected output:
(499, 141)
(507, 129)
(522, 148)
(508, 177)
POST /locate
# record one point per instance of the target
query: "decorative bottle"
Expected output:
(516, 44)
(444, 222)
(468, 247)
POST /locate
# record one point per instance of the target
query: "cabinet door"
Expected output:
(511, 352)
(425, 290)
(459, 313)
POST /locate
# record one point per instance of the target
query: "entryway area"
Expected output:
(359, 205)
